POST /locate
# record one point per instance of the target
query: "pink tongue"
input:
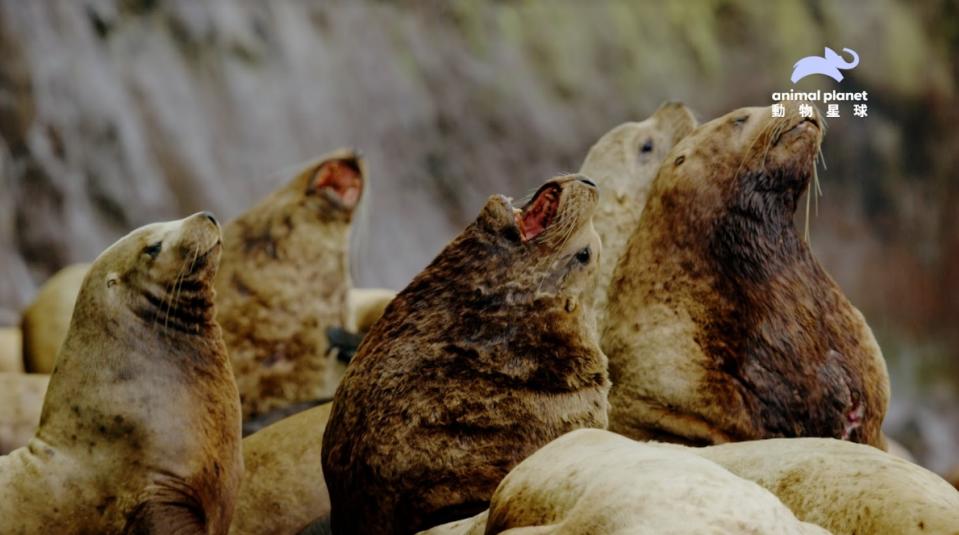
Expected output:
(341, 179)
(539, 215)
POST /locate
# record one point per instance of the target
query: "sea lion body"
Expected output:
(140, 429)
(726, 327)
(21, 400)
(624, 163)
(46, 320)
(284, 279)
(592, 481)
(487, 355)
(844, 487)
(11, 352)
(283, 488)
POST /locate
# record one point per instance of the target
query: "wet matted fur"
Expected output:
(723, 326)
(487, 355)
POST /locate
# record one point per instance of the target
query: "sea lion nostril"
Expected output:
(588, 182)
(211, 217)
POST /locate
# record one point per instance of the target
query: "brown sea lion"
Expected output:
(284, 279)
(46, 320)
(140, 430)
(623, 163)
(283, 488)
(21, 400)
(487, 355)
(844, 487)
(591, 482)
(11, 353)
(723, 326)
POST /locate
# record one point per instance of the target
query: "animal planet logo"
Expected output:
(829, 64)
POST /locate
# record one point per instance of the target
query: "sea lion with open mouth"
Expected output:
(723, 326)
(487, 355)
(284, 280)
(140, 429)
(623, 163)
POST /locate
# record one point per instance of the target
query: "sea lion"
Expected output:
(592, 481)
(487, 355)
(46, 320)
(283, 488)
(11, 353)
(21, 399)
(844, 487)
(366, 305)
(140, 429)
(726, 327)
(623, 163)
(284, 279)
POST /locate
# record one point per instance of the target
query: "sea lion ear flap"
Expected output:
(342, 176)
(677, 115)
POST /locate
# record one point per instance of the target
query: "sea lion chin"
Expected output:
(482, 359)
(140, 427)
(726, 327)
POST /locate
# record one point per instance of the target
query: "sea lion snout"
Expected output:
(339, 180)
(199, 235)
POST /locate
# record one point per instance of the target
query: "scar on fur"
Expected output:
(533, 219)
(341, 178)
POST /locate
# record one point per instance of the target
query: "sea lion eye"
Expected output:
(583, 255)
(739, 121)
(679, 160)
(647, 147)
(153, 249)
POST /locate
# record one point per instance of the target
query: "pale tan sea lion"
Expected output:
(11, 352)
(366, 305)
(284, 279)
(140, 430)
(46, 320)
(844, 487)
(487, 355)
(21, 400)
(726, 327)
(283, 488)
(623, 164)
(591, 482)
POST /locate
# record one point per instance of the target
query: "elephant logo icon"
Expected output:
(829, 64)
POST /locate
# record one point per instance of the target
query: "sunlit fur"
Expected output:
(140, 429)
(723, 326)
(487, 355)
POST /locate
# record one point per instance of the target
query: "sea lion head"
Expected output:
(624, 160)
(162, 273)
(546, 247)
(746, 165)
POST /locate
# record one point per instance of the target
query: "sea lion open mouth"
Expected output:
(341, 181)
(533, 219)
